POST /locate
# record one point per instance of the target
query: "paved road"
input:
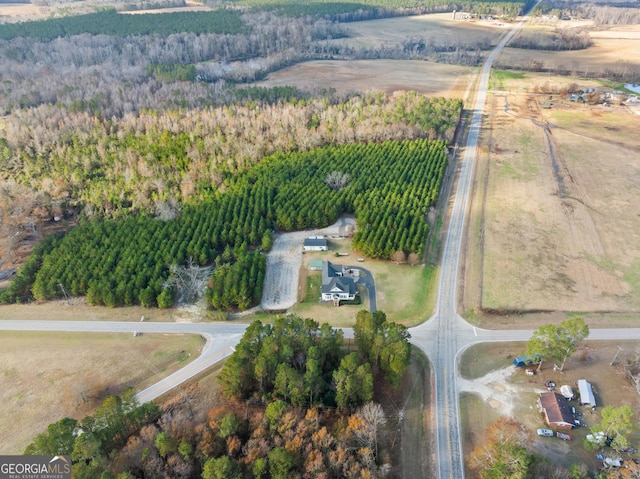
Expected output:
(220, 339)
(445, 334)
(368, 281)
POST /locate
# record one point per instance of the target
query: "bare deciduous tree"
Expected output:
(189, 281)
(337, 180)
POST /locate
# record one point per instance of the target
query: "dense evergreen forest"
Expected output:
(295, 371)
(109, 22)
(121, 262)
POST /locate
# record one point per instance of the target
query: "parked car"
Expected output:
(545, 432)
(564, 436)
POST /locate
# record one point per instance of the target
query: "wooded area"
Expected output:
(123, 262)
(279, 419)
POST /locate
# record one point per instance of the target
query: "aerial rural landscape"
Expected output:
(321, 239)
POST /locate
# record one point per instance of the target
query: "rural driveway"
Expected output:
(285, 259)
(368, 281)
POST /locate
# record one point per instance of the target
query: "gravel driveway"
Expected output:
(284, 261)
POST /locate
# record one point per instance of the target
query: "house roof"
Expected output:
(334, 282)
(329, 271)
(586, 392)
(315, 242)
(556, 408)
(339, 285)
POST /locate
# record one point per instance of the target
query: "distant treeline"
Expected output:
(370, 9)
(109, 22)
(568, 39)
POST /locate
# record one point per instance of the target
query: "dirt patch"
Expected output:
(450, 81)
(24, 10)
(40, 387)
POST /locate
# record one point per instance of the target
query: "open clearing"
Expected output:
(404, 292)
(45, 374)
(451, 81)
(615, 48)
(493, 387)
(556, 227)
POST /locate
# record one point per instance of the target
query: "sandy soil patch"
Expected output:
(450, 81)
(44, 374)
(284, 261)
(496, 389)
(19, 10)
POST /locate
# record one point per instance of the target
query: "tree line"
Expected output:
(127, 261)
(279, 418)
(110, 22)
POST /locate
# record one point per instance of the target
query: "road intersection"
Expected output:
(443, 337)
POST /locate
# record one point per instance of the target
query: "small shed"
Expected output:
(587, 397)
(315, 244)
(315, 265)
(556, 410)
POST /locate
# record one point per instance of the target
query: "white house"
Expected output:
(335, 285)
(315, 243)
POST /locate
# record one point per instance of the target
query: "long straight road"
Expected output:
(443, 336)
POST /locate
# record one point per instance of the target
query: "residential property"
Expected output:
(586, 393)
(556, 410)
(335, 285)
(315, 243)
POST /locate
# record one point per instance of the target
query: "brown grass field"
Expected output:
(547, 241)
(44, 374)
(519, 392)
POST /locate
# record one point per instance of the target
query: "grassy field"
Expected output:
(512, 390)
(405, 293)
(553, 233)
(45, 374)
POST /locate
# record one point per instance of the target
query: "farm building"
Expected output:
(315, 265)
(335, 285)
(556, 410)
(586, 393)
(315, 243)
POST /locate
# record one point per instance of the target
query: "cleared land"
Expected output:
(553, 223)
(403, 291)
(451, 81)
(493, 386)
(614, 49)
(46, 375)
(436, 79)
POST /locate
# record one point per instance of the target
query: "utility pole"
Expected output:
(614, 358)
